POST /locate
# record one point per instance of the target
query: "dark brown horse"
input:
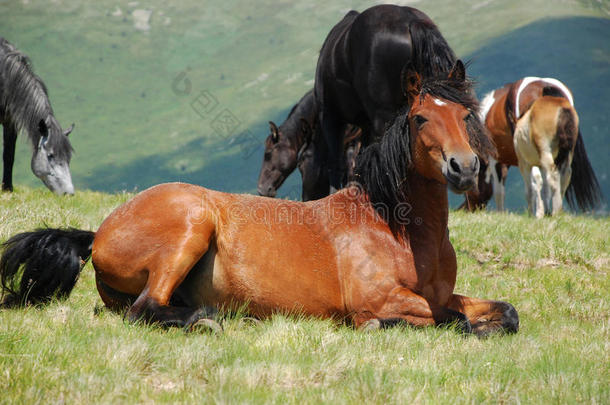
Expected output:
(283, 144)
(176, 248)
(501, 111)
(296, 144)
(360, 72)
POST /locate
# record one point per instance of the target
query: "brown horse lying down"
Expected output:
(355, 255)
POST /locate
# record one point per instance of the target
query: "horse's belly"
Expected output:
(221, 281)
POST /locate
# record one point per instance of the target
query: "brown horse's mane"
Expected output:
(383, 168)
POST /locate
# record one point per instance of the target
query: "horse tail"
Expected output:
(584, 189)
(37, 266)
(432, 55)
(566, 135)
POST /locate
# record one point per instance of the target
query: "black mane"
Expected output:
(24, 100)
(383, 168)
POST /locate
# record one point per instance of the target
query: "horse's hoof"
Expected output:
(205, 325)
(370, 325)
(248, 320)
(510, 319)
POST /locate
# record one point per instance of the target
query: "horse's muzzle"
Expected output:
(462, 173)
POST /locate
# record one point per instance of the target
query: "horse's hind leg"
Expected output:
(533, 186)
(169, 269)
(486, 316)
(332, 129)
(551, 191)
(8, 155)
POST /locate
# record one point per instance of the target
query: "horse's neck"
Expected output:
(429, 212)
(32, 103)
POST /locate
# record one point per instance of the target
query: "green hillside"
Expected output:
(135, 127)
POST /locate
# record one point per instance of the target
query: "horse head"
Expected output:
(280, 159)
(51, 158)
(445, 133)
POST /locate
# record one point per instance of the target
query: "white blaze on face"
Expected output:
(439, 102)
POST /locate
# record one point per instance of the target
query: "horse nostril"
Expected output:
(454, 165)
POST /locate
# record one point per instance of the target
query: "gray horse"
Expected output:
(24, 105)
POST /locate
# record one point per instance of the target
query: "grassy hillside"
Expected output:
(135, 127)
(554, 271)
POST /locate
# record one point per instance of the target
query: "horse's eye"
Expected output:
(470, 117)
(50, 156)
(419, 121)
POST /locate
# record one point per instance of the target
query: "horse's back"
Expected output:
(359, 70)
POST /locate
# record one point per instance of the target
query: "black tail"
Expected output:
(37, 266)
(584, 189)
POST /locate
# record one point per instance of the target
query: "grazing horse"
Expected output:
(176, 248)
(501, 111)
(24, 105)
(283, 145)
(360, 72)
(296, 144)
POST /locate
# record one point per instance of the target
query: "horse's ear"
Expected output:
(69, 130)
(458, 72)
(411, 84)
(275, 133)
(42, 128)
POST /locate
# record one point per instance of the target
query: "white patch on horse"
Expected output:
(486, 104)
(554, 82)
(439, 102)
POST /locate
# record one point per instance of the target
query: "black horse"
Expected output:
(361, 69)
(24, 105)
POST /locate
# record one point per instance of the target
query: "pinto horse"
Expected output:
(360, 72)
(24, 104)
(561, 147)
(177, 248)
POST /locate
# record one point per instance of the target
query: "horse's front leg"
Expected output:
(486, 316)
(402, 305)
(8, 155)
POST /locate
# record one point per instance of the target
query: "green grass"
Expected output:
(257, 59)
(554, 271)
